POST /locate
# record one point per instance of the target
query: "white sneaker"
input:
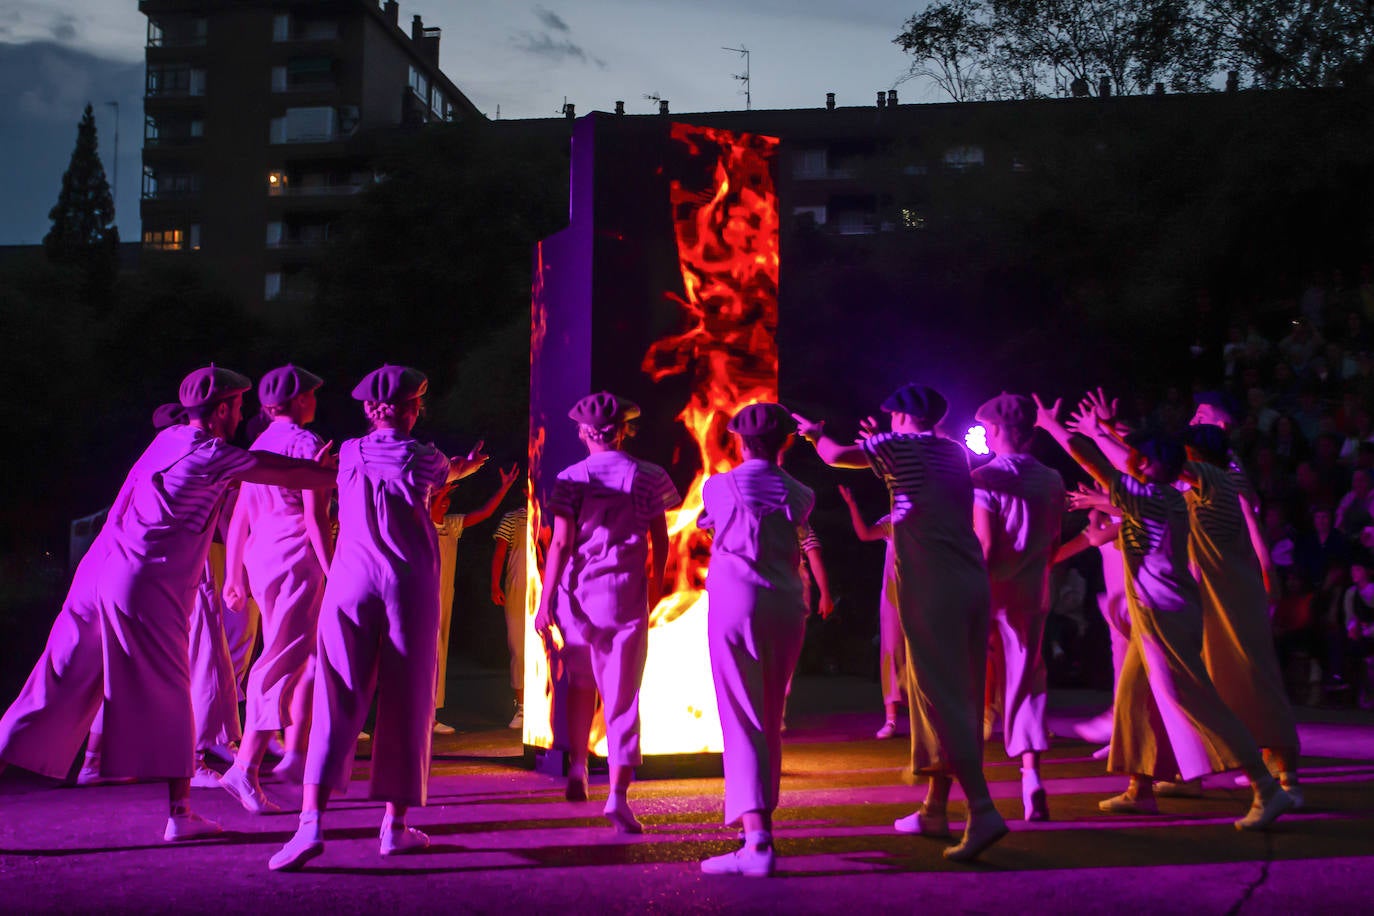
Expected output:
(290, 768)
(204, 777)
(239, 784)
(1261, 815)
(274, 747)
(751, 863)
(364, 736)
(1191, 788)
(407, 839)
(189, 826)
(887, 731)
(442, 729)
(225, 753)
(1097, 730)
(518, 720)
(981, 831)
(924, 823)
(301, 848)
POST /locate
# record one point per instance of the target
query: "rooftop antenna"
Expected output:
(654, 97)
(742, 51)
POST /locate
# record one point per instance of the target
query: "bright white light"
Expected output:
(977, 440)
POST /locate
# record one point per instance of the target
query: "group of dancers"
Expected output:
(358, 618)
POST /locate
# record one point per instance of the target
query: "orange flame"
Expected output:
(538, 724)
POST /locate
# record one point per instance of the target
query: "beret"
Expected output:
(391, 385)
(210, 384)
(1208, 440)
(603, 409)
(168, 415)
(920, 401)
(1014, 410)
(284, 383)
(762, 420)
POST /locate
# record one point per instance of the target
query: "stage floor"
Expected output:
(505, 840)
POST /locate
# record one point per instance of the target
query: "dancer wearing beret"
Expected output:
(608, 517)
(378, 627)
(942, 597)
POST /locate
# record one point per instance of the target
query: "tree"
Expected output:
(1007, 49)
(83, 229)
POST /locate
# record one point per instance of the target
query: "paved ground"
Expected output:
(505, 840)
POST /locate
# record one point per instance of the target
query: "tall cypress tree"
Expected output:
(83, 229)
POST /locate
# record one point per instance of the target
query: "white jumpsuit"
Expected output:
(1169, 718)
(602, 604)
(286, 580)
(138, 581)
(512, 532)
(214, 693)
(756, 620)
(942, 587)
(379, 623)
(1026, 501)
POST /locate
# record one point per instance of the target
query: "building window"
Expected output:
(169, 131)
(276, 183)
(155, 37)
(169, 185)
(419, 84)
(271, 287)
(306, 125)
(318, 30)
(175, 79)
(809, 216)
(164, 239)
(278, 79)
(281, 27)
(963, 158)
(194, 236)
(274, 234)
(911, 219)
(809, 163)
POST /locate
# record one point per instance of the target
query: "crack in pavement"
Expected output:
(1255, 885)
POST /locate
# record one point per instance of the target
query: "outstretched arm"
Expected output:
(1079, 447)
(484, 511)
(293, 473)
(831, 452)
(467, 464)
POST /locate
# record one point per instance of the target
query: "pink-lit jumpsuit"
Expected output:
(214, 691)
(755, 620)
(602, 602)
(379, 622)
(1026, 502)
(286, 580)
(138, 579)
(891, 642)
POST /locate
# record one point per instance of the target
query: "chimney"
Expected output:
(569, 110)
(619, 107)
(663, 106)
(392, 11)
(1104, 87)
(882, 99)
(830, 101)
(892, 98)
(426, 41)
(1232, 80)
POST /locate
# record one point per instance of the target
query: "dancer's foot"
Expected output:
(1264, 812)
(925, 821)
(751, 863)
(204, 777)
(1097, 730)
(982, 830)
(1033, 798)
(577, 788)
(397, 842)
(189, 826)
(1126, 803)
(618, 812)
(238, 783)
(518, 720)
(442, 729)
(887, 731)
(1191, 788)
(306, 844)
(290, 768)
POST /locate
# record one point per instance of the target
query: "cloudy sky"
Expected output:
(521, 59)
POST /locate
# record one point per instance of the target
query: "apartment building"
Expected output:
(262, 123)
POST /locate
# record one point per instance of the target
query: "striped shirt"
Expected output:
(1154, 544)
(512, 527)
(759, 515)
(1215, 504)
(932, 492)
(282, 437)
(650, 488)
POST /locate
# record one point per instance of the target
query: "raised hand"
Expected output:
(509, 476)
(809, 429)
(868, 428)
(846, 494)
(1084, 419)
(235, 597)
(471, 462)
(1106, 410)
(1047, 416)
(1087, 498)
(327, 459)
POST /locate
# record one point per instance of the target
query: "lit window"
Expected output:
(197, 82)
(271, 287)
(195, 236)
(276, 183)
(963, 158)
(197, 128)
(274, 234)
(163, 240)
(814, 216)
(809, 163)
(281, 27)
(912, 220)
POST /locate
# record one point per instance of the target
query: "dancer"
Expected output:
(755, 623)
(1169, 717)
(508, 592)
(1237, 641)
(278, 548)
(891, 642)
(943, 600)
(138, 586)
(596, 592)
(379, 623)
(1017, 515)
(449, 526)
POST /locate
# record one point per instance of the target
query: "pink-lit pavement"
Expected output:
(504, 840)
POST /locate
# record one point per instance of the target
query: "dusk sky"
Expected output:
(520, 58)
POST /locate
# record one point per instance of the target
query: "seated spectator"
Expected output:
(1294, 641)
(1354, 513)
(1351, 643)
(1290, 447)
(1300, 344)
(1264, 415)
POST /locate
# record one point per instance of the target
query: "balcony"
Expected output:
(175, 81)
(179, 32)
